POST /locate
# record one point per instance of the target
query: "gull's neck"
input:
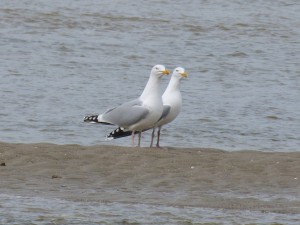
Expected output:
(173, 85)
(152, 88)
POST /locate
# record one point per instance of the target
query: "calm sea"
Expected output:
(53, 211)
(62, 60)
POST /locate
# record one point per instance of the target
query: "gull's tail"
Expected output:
(118, 133)
(91, 119)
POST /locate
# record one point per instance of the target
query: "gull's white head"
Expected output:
(159, 71)
(179, 73)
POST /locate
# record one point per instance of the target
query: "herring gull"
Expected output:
(139, 114)
(172, 102)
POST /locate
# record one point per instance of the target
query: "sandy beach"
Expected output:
(210, 178)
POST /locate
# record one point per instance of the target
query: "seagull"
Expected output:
(139, 114)
(172, 102)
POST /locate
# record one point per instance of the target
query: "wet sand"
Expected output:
(209, 178)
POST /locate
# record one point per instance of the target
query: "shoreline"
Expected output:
(194, 177)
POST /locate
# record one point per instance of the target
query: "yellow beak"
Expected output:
(166, 72)
(184, 74)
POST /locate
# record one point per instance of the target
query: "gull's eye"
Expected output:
(177, 70)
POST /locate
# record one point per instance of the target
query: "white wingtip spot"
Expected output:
(108, 138)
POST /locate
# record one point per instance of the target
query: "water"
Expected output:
(36, 210)
(63, 60)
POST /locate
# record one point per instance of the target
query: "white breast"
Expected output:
(174, 100)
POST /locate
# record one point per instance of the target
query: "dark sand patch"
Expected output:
(180, 177)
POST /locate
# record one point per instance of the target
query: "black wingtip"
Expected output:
(118, 133)
(93, 118)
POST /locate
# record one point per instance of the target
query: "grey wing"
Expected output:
(165, 112)
(126, 114)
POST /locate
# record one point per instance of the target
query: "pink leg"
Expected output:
(140, 134)
(152, 137)
(158, 136)
(132, 138)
